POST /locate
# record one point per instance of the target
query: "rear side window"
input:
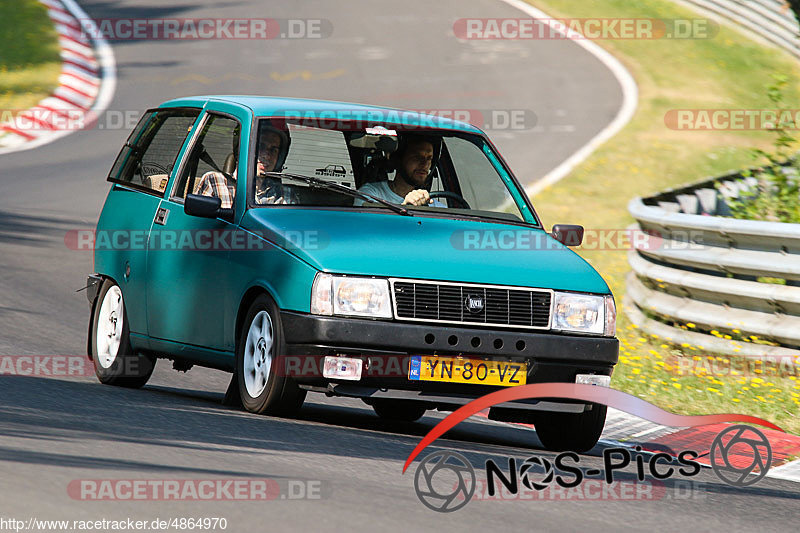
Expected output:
(148, 157)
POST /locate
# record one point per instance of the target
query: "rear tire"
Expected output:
(577, 432)
(115, 362)
(263, 389)
(398, 410)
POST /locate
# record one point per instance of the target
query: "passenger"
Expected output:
(221, 184)
(413, 162)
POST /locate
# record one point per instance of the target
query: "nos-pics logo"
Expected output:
(740, 455)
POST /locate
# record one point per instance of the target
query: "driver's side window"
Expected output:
(148, 157)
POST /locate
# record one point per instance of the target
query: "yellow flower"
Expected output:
(712, 389)
(676, 385)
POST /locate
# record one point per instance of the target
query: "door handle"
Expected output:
(161, 216)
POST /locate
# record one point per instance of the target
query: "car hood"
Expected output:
(422, 247)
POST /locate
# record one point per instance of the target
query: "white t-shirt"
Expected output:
(381, 189)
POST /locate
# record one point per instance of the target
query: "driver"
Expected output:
(271, 144)
(410, 185)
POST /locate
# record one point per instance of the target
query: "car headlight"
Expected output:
(350, 296)
(584, 313)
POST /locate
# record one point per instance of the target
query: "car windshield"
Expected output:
(437, 172)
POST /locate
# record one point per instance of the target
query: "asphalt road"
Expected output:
(402, 54)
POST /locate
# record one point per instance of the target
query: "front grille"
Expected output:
(449, 302)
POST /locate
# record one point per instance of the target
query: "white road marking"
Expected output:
(789, 471)
(630, 97)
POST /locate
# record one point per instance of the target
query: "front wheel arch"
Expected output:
(247, 300)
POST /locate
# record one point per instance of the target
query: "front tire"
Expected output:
(115, 362)
(263, 388)
(577, 432)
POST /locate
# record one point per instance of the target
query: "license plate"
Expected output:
(459, 370)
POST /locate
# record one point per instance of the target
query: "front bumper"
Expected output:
(304, 332)
(385, 346)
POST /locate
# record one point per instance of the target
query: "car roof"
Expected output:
(270, 106)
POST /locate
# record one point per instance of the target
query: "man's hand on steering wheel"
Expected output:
(417, 197)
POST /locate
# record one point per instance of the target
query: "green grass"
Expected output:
(29, 54)
(727, 71)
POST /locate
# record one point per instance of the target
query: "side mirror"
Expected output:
(568, 234)
(202, 206)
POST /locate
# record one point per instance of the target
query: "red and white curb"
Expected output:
(86, 84)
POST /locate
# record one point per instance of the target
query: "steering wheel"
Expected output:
(451, 195)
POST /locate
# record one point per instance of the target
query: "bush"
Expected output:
(776, 197)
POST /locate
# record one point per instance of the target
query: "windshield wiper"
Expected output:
(333, 186)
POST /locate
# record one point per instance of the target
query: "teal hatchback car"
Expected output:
(356, 251)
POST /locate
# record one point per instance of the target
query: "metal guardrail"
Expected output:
(773, 20)
(703, 269)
